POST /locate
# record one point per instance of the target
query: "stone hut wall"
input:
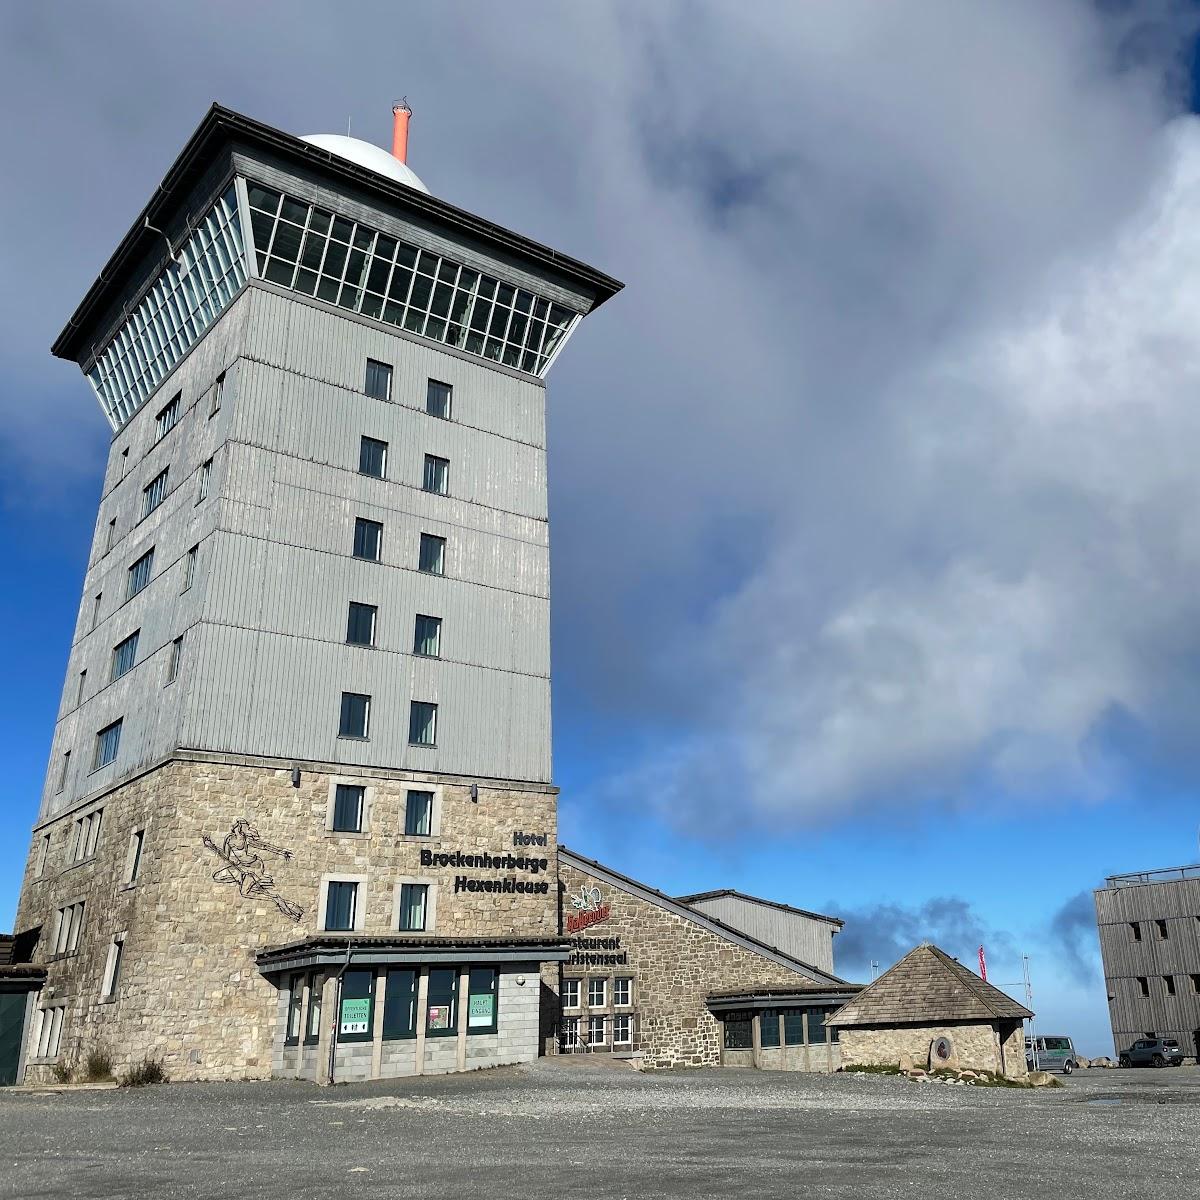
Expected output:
(976, 1044)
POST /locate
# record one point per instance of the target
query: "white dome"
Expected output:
(368, 155)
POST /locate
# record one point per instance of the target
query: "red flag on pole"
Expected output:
(982, 964)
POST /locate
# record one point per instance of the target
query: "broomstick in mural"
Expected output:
(245, 868)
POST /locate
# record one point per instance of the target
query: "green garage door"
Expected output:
(12, 1027)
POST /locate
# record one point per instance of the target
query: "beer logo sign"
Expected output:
(589, 909)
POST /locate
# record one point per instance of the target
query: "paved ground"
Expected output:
(590, 1132)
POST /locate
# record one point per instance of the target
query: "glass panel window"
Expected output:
(312, 1021)
(379, 380)
(62, 775)
(437, 474)
(413, 906)
(341, 905)
(124, 655)
(597, 1031)
(482, 996)
(96, 609)
(372, 457)
(153, 493)
(189, 568)
(167, 417)
(108, 742)
(360, 625)
(437, 399)
(768, 1027)
(217, 395)
(50, 1031)
(348, 808)
(570, 993)
(622, 991)
(570, 1033)
(793, 1027)
(422, 723)
(111, 535)
(737, 1031)
(597, 992)
(368, 539)
(355, 715)
(622, 1029)
(427, 639)
(139, 573)
(205, 480)
(441, 1018)
(357, 1009)
(295, 1010)
(432, 559)
(400, 1004)
(174, 660)
(418, 814)
(816, 1026)
(43, 854)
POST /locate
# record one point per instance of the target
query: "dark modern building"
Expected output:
(1149, 924)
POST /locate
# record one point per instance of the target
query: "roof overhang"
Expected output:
(222, 128)
(723, 1002)
(22, 977)
(374, 950)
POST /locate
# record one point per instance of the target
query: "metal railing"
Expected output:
(1162, 875)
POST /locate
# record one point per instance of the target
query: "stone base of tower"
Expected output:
(208, 886)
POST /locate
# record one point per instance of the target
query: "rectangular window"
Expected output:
(597, 992)
(570, 1033)
(295, 1010)
(217, 395)
(427, 638)
(360, 625)
(68, 924)
(124, 461)
(341, 905)
(816, 1026)
(1135, 928)
(108, 742)
(82, 685)
(1194, 978)
(441, 1018)
(1143, 985)
(167, 417)
(189, 568)
(437, 399)
(432, 559)
(400, 1004)
(793, 1027)
(154, 492)
(173, 661)
(50, 1031)
(482, 997)
(96, 609)
(1169, 984)
(368, 539)
(312, 1020)
(414, 899)
(570, 993)
(623, 1030)
(356, 715)
(139, 574)
(372, 457)
(87, 835)
(418, 814)
(379, 380)
(597, 1035)
(62, 774)
(437, 475)
(112, 968)
(358, 995)
(124, 655)
(134, 859)
(348, 808)
(44, 854)
(768, 1027)
(111, 535)
(205, 480)
(1161, 929)
(422, 723)
(622, 991)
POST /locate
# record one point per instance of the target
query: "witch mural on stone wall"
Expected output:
(245, 868)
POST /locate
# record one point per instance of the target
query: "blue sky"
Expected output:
(873, 496)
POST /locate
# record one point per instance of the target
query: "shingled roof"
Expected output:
(926, 986)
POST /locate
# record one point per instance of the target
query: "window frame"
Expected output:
(492, 1025)
(134, 854)
(205, 487)
(409, 811)
(217, 395)
(428, 708)
(189, 567)
(434, 540)
(418, 641)
(49, 1036)
(367, 1035)
(358, 883)
(363, 526)
(114, 728)
(360, 804)
(169, 410)
(155, 492)
(435, 476)
(406, 1030)
(404, 892)
(430, 385)
(365, 735)
(295, 1010)
(146, 561)
(357, 608)
(111, 980)
(174, 660)
(124, 656)
(571, 985)
(617, 1002)
(451, 1028)
(593, 980)
(387, 376)
(368, 449)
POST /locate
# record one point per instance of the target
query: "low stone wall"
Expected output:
(976, 1045)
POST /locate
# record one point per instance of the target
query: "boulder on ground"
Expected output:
(907, 1062)
(1042, 1079)
(1083, 1063)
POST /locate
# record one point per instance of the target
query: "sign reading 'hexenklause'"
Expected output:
(492, 862)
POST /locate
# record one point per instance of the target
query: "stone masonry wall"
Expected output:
(675, 964)
(976, 1045)
(189, 990)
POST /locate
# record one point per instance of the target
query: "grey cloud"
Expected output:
(1073, 935)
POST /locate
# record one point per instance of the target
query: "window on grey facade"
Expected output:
(437, 475)
(379, 380)
(1161, 929)
(62, 774)
(111, 536)
(205, 480)
(82, 686)
(124, 655)
(1143, 985)
(139, 574)
(360, 624)
(108, 742)
(413, 906)
(418, 814)
(1169, 984)
(355, 715)
(341, 904)
(154, 492)
(1195, 983)
(422, 723)
(189, 568)
(372, 457)
(427, 637)
(348, 808)
(368, 539)
(218, 394)
(437, 399)
(1135, 929)
(96, 609)
(167, 417)
(432, 556)
(175, 658)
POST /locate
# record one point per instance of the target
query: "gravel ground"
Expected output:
(570, 1129)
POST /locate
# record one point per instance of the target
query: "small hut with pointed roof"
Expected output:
(926, 996)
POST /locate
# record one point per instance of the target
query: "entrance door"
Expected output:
(12, 1027)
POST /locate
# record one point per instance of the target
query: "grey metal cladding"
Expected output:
(806, 939)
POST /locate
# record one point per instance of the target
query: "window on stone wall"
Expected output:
(570, 1033)
(793, 1027)
(816, 1030)
(622, 1030)
(597, 992)
(418, 814)
(597, 1033)
(570, 993)
(622, 991)
(737, 1032)
(348, 808)
(112, 967)
(441, 1013)
(67, 927)
(341, 904)
(768, 1027)
(400, 1004)
(50, 1031)
(87, 835)
(356, 1018)
(312, 1021)
(295, 1010)
(414, 906)
(483, 997)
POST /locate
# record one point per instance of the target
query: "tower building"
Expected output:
(299, 816)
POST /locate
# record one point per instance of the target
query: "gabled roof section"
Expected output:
(720, 893)
(654, 896)
(926, 986)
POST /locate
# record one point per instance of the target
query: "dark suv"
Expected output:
(1153, 1052)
